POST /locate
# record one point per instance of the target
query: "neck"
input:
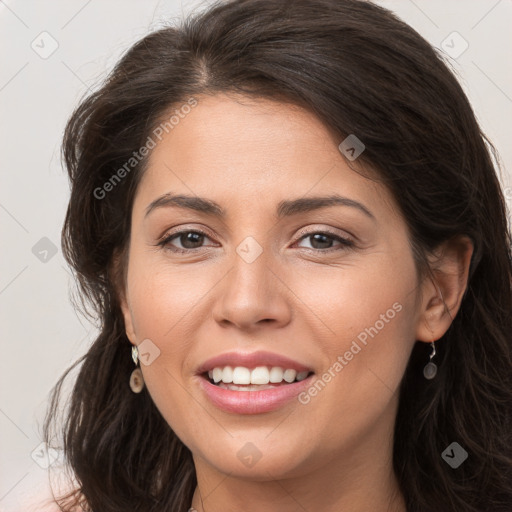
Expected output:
(285, 496)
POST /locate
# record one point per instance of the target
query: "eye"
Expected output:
(189, 240)
(323, 241)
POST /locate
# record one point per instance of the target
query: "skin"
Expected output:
(302, 299)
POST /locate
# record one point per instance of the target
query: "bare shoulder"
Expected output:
(41, 495)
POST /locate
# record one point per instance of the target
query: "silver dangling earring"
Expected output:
(430, 370)
(136, 378)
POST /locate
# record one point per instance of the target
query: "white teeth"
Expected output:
(251, 387)
(301, 375)
(261, 375)
(217, 375)
(241, 375)
(276, 374)
(227, 374)
(289, 375)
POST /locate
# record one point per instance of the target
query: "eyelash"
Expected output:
(345, 242)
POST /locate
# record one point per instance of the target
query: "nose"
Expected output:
(253, 295)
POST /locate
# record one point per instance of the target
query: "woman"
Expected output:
(289, 225)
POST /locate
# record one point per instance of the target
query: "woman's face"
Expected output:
(271, 276)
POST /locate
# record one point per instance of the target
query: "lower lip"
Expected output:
(253, 402)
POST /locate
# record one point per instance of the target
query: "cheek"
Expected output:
(367, 317)
(163, 299)
(160, 300)
(359, 295)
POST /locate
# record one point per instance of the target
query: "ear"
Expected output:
(119, 271)
(442, 293)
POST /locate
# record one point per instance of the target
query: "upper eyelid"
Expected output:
(170, 233)
(302, 232)
(329, 231)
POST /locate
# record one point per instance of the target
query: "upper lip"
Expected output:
(251, 360)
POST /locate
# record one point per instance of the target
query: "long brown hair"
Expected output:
(360, 70)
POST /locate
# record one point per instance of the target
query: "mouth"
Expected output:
(252, 383)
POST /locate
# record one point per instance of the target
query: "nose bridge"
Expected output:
(251, 292)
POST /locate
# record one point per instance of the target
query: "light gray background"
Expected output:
(41, 335)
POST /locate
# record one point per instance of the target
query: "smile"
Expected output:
(252, 383)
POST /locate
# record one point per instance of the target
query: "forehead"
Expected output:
(236, 149)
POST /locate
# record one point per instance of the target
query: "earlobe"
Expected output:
(444, 291)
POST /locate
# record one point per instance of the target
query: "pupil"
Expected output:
(322, 239)
(191, 238)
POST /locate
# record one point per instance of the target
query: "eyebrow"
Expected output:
(284, 209)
